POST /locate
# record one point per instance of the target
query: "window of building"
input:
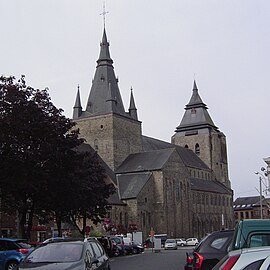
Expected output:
(177, 191)
(197, 149)
(186, 146)
(96, 144)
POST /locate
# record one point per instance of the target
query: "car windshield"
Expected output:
(56, 252)
(170, 241)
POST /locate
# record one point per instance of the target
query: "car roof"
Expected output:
(13, 239)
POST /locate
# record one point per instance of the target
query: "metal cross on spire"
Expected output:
(104, 13)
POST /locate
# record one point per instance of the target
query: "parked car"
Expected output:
(251, 233)
(246, 259)
(170, 244)
(210, 250)
(266, 264)
(107, 245)
(192, 242)
(181, 242)
(137, 247)
(71, 254)
(120, 244)
(12, 251)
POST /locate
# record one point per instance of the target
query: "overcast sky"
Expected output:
(158, 48)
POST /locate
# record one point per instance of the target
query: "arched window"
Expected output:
(186, 146)
(197, 149)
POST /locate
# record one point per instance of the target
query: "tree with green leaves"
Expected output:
(39, 163)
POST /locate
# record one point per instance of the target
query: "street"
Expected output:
(165, 259)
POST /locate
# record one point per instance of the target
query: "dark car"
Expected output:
(118, 240)
(210, 250)
(71, 254)
(137, 247)
(12, 251)
(107, 245)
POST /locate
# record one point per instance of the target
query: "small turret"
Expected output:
(77, 109)
(132, 108)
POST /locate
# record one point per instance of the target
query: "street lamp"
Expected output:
(261, 177)
(261, 208)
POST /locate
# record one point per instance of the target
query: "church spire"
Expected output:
(132, 107)
(105, 85)
(104, 54)
(195, 98)
(196, 115)
(77, 109)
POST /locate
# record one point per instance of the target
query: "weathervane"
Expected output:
(104, 13)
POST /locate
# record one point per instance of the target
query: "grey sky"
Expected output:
(157, 47)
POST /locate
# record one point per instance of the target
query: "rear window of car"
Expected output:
(214, 242)
(23, 244)
(258, 240)
(254, 266)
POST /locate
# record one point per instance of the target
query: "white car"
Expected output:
(247, 258)
(181, 242)
(170, 244)
(192, 242)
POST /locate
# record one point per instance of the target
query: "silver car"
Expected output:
(170, 244)
(247, 258)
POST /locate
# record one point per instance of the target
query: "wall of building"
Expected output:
(114, 137)
(212, 150)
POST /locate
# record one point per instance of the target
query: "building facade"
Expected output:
(254, 207)
(181, 188)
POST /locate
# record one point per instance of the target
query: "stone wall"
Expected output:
(114, 137)
(212, 150)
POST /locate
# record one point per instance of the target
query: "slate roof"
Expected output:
(130, 185)
(208, 186)
(105, 95)
(146, 161)
(189, 158)
(246, 202)
(196, 114)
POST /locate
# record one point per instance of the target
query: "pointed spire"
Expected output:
(104, 96)
(104, 54)
(195, 85)
(132, 107)
(195, 98)
(196, 115)
(77, 109)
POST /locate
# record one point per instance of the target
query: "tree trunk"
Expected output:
(59, 224)
(73, 218)
(22, 221)
(30, 223)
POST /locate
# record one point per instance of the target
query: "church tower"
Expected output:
(198, 132)
(105, 125)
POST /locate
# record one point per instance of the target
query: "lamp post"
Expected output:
(261, 177)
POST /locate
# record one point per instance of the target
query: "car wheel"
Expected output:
(12, 266)
(182, 245)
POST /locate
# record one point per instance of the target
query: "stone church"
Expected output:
(180, 188)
